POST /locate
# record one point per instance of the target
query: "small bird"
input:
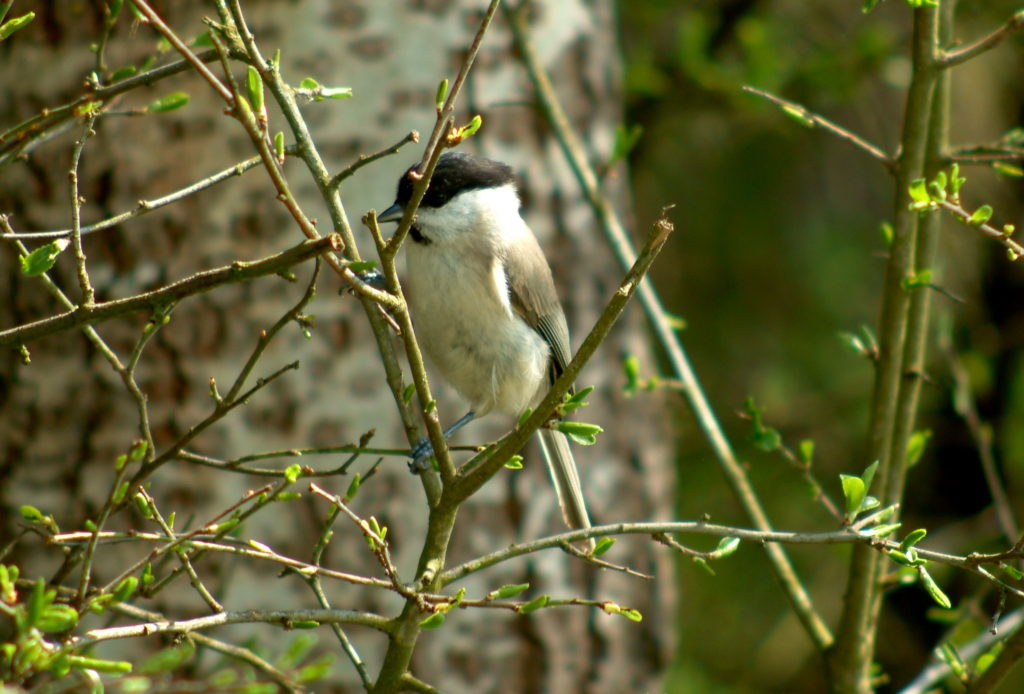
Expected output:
(484, 304)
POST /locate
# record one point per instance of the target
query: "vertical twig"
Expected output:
(619, 241)
(894, 402)
(88, 293)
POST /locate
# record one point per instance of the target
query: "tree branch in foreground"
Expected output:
(238, 271)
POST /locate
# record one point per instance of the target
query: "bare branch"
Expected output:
(200, 282)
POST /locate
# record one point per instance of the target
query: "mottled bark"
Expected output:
(64, 417)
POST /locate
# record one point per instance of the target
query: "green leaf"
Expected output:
(922, 278)
(126, 588)
(309, 83)
(806, 451)
(123, 73)
(854, 492)
(603, 545)
(203, 40)
(138, 450)
(514, 463)
(120, 492)
(887, 233)
(799, 114)
(882, 530)
(956, 181)
(919, 195)
(702, 563)
(279, 145)
(441, 94)
(631, 368)
(912, 538)
(316, 670)
(903, 558)
(726, 547)
(353, 487)
(1013, 572)
(869, 475)
(625, 141)
(940, 598)
(254, 84)
(509, 590)
(980, 216)
(42, 259)
(470, 128)
(764, 438)
(168, 659)
(535, 604)
(582, 433)
(168, 102)
(12, 25)
(434, 621)
(57, 618)
(1009, 170)
(408, 392)
(297, 650)
(632, 614)
(99, 665)
(292, 473)
(577, 400)
(31, 514)
(916, 445)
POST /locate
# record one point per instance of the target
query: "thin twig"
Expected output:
(284, 618)
(365, 159)
(185, 51)
(965, 53)
(810, 118)
(998, 234)
(965, 406)
(200, 282)
(88, 293)
(143, 206)
(241, 653)
(661, 325)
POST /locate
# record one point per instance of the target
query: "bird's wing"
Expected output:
(536, 301)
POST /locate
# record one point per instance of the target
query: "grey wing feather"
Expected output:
(536, 301)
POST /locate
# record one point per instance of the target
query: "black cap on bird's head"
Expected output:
(456, 172)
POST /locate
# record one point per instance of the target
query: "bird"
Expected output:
(483, 303)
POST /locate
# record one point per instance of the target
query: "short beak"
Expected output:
(392, 214)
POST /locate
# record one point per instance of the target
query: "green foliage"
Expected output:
(582, 433)
(12, 25)
(29, 654)
(42, 259)
(508, 591)
(320, 92)
(603, 545)
(763, 437)
(514, 463)
(169, 102)
(855, 492)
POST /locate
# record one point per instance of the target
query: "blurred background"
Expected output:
(778, 251)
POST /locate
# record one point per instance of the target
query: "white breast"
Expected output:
(462, 314)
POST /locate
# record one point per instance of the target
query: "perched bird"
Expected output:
(484, 304)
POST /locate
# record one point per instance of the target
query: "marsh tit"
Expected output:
(484, 304)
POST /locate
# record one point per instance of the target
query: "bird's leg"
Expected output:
(421, 452)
